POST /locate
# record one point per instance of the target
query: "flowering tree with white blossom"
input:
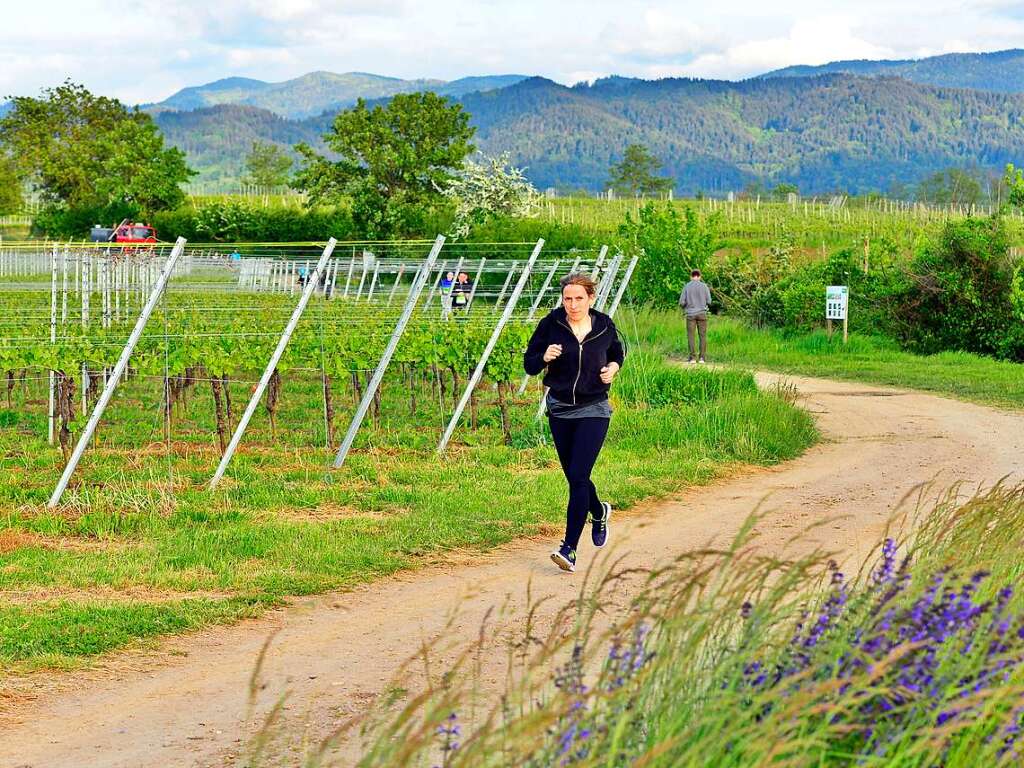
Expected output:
(487, 189)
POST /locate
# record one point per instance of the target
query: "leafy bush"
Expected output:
(963, 294)
(669, 246)
(232, 220)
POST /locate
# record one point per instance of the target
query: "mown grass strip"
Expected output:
(871, 359)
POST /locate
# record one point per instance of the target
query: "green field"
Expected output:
(140, 546)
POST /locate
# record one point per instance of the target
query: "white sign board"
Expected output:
(836, 299)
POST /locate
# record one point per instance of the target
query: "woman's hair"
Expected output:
(581, 279)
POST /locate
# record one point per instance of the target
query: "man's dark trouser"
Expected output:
(578, 442)
(698, 323)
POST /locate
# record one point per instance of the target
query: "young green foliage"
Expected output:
(393, 161)
(89, 151)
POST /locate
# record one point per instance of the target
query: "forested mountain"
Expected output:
(831, 132)
(317, 92)
(1000, 71)
(217, 139)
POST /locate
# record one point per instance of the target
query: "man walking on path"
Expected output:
(694, 300)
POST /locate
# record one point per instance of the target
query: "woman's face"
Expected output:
(576, 301)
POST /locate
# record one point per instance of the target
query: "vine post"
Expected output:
(119, 369)
(371, 389)
(506, 315)
(53, 340)
(268, 372)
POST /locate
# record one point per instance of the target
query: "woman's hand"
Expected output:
(608, 372)
(553, 352)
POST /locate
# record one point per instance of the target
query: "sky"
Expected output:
(145, 50)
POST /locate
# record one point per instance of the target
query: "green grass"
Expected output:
(871, 359)
(141, 546)
(716, 663)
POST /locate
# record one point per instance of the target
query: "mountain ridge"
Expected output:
(824, 133)
(997, 71)
(316, 92)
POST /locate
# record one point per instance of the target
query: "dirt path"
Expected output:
(185, 705)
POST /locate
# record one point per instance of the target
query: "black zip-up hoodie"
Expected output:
(575, 376)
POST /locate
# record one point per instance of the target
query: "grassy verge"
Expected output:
(735, 659)
(865, 358)
(142, 547)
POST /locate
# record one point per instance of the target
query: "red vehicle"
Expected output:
(125, 232)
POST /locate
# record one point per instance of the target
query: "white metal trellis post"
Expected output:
(437, 282)
(543, 289)
(398, 279)
(600, 260)
(504, 288)
(606, 284)
(53, 341)
(351, 268)
(115, 378)
(476, 283)
(307, 292)
(420, 280)
(495, 335)
(622, 286)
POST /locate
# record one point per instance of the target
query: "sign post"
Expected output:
(837, 299)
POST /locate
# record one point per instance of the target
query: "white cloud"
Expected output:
(810, 41)
(142, 50)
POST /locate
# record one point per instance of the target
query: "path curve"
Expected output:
(184, 706)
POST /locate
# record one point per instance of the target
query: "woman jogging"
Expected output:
(582, 353)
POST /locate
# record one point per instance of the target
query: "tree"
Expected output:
(1014, 179)
(86, 151)
(267, 165)
(953, 186)
(10, 187)
(393, 161)
(488, 189)
(754, 188)
(669, 247)
(783, 190)
(634, 175)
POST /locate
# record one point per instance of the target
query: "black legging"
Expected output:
(578, 442)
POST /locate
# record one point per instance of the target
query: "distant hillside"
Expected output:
(831, 132)
(217, 139)
(1000, 71)
(317, 92)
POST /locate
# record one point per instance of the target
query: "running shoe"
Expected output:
(599, 529)
(564, 557)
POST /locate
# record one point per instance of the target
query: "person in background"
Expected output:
(460, 291)
(695, 301)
